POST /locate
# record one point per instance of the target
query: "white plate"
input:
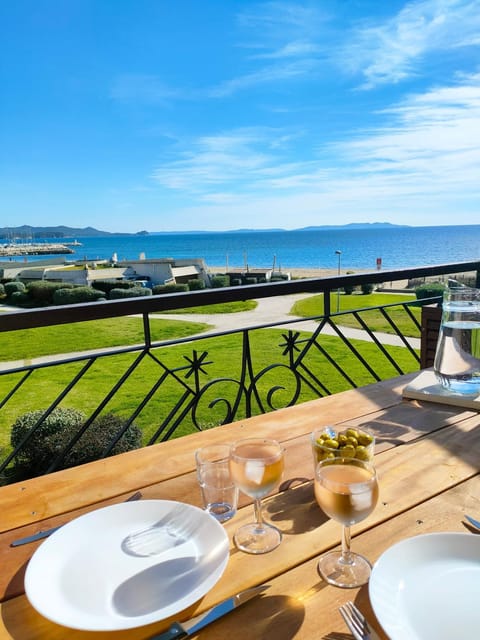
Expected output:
(81, 577)
(428, 587)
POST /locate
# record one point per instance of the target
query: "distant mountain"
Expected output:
(28, 232)
(355, 225)
(352, 225)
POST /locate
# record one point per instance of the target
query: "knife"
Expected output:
(473, 522)
(47, 532)
(193, 625)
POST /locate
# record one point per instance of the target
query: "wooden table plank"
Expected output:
(300, 606)
(407, 475)
(39, 499)
(185, 488)
(423, 449)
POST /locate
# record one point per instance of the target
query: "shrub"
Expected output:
(349, 288)
(133, 292)
(429, 290)
(219, 281)
(107, 285)
(19, 298)
(12, 287)
(250, 280)
(367, 288)
(55, 432)
(77, 295)
(196, 285)
(43, 290)
(169, 288)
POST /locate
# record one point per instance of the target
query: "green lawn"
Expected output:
(313, 306)
(94, 334)
(223, 363)
(221, 368)
(221, 307)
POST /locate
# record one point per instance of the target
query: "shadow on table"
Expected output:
(294, 509)
(280, 617)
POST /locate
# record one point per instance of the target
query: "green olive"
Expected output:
(352, 440)
(342, 439)
(361, 453)
(324, 455)
(352, 433)
(364, 438)
(348, 451)
(331, 443)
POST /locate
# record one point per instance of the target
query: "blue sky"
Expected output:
(222, 114)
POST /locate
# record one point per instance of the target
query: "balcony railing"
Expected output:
(168, 387)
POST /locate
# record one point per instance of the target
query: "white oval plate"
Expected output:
(80, 577)
(428, 587)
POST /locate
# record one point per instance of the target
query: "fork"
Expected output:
(173, 529)
(356, 622)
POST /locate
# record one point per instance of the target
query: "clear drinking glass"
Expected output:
(457, 357)
(256, 465)
(346, 489)
(219, 493)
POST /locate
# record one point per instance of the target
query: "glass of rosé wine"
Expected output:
(346, 489)
(256, 467)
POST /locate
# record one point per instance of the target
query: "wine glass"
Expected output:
(256, 466)
(346, 489)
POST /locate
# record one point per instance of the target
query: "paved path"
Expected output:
(276, 309)
(268, 311)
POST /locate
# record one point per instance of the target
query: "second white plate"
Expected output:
(81, 577)
(427, 587)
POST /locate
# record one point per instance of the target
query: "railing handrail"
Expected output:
(65, 314)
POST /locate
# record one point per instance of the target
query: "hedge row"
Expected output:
(49, 436)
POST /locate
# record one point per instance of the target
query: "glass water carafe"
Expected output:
(457, 358)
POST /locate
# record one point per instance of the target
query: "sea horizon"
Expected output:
(340, 248)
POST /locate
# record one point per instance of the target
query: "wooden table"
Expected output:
(427, 458)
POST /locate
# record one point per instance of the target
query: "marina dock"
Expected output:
(34, 249)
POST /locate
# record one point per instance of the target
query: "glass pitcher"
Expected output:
(457, 358)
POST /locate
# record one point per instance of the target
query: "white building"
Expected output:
(152, 272)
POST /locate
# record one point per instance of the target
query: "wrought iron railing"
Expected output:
(166, 388)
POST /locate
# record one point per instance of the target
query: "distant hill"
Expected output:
(352, 225)
(28, 232)
(355, 225)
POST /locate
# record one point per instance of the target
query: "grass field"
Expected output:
(313, 306)
(222, 368)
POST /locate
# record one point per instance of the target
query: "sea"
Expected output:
(392, 247)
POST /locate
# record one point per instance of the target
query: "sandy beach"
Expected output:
(294, 272)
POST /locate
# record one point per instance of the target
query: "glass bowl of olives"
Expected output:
(342, 442)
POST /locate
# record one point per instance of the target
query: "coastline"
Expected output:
(295, 272)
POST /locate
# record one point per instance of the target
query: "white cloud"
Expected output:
(291, 50)
(266, 75)
(426, 160)
(221, 159)
(391, 51)
(277, 31)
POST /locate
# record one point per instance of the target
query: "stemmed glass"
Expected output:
(346, 489)
(256, 466)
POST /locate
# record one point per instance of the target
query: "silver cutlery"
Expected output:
(356, 622)
(47, 532)
(192, 626)
(473, 522)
